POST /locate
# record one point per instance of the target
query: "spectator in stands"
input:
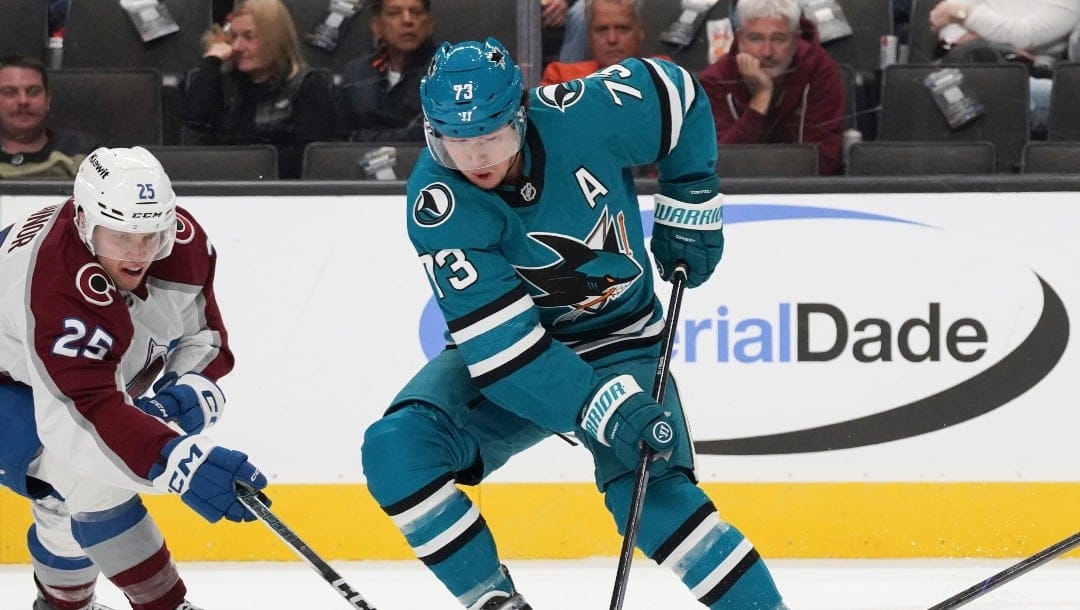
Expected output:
(1032, 31)
(29, 149)
(379, 96)
(575, 42)
(615, 31)
(777, 83)
(253, 87)
(554, 27)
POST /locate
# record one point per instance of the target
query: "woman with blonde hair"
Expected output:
(253, 87)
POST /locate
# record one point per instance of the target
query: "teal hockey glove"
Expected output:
(623, 417)
(692, 234)
(191, 400)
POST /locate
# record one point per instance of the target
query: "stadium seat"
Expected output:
(345, 160)
(753, 160)
(99, 34)
(851, 95)
(218, 163)
(1052, 158)
(909, 113)
(120, 107)
(920, 158)
(870, 20)
(25, 30)
(659, 14)
(922, 40)
(1064, 121)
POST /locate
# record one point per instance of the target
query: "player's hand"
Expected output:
(191, 400)
(205, 477)
(624, 418)
(689, 234)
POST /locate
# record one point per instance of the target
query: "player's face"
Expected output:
(24, 103)
(480, 152)
(402, 25)
(490, 177)
(247, 53)
(126, 256)
(772, 42)
(614, 34)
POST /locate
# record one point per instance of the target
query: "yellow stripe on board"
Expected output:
(550, 521)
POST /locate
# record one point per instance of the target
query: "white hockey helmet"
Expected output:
(127, 205)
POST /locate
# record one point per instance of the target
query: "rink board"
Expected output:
(871, 375)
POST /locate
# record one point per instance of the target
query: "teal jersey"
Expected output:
(538, 279)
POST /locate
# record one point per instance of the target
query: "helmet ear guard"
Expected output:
(120, 191)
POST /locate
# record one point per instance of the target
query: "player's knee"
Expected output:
(402, 445)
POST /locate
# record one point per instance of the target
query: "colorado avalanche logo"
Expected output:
(185, 231)
(562, 95)
(433, 205)
(94, 284)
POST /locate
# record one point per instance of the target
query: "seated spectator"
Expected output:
(29, 149)
(379, 96)
(615, 31)
(1032, 31)
(777, 83)
(253, 87)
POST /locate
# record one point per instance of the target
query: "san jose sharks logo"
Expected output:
(589, 273)
(562, 95)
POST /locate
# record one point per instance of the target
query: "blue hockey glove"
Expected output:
(191, 400)
(623, 417)
(689, 233)
(205, 477)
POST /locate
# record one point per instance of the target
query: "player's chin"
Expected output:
(485, 178)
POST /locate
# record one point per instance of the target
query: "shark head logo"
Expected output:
(562, 95)
(587, 274)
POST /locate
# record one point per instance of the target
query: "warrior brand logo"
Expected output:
(603, 405)
(562, 95)
(31, 227)
(662, 433)
(434, 205)
(94, 284)
(104, 173)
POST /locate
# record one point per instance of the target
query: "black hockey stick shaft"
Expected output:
(637, 501)
(259, 505)
(1009, 573)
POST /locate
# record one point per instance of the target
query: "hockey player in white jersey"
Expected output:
(525, 219)
(104, 298)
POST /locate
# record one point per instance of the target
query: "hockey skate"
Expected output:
(502, 602)
(41, 604)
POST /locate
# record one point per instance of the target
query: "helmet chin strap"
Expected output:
(516, 169)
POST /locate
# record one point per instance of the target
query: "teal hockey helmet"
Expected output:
(472, 100)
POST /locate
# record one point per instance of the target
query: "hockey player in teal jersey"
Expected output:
(525, 218)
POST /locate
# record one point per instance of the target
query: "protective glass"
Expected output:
(133, 247)
(466, 154)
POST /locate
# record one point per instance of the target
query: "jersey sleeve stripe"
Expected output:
(521, 346)
(672, 109)
(512, 365)
(493, 320)
(486, 310)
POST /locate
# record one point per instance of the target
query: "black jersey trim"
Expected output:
(456, 544)
(730, 578)
(684, 530)
(416, 497)
(478, 314)
(665, 110)
(515, 363)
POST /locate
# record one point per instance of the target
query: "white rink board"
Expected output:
(323, 298)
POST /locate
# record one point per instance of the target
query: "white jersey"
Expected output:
(86, 348)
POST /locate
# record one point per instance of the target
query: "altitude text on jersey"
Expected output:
(823, 332)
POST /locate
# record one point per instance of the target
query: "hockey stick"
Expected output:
(258, 504)
(637, 502)
(1009, 573)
